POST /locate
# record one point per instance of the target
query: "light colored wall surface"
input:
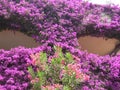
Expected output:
(97, 45)
(9, 39)
(104, 2)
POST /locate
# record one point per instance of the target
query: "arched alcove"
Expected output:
(97, 45)
(10, 39)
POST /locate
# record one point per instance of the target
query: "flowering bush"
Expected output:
(59, 72)
(104, 71)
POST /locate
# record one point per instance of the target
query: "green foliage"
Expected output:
(41, 77)
(43, 57)
(69, 58)
(66, 88)
(31, 71)
(54, 73)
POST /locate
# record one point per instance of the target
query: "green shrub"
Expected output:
(58, 72)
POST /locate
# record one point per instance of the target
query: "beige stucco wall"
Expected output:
(97, 45)
(9, 39)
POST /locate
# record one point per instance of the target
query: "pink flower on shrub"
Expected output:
(35, 58)
(75, 69)
(29, 76)
(35, 80)
(56, 55)
(47, 88)
(57, 86)
(86, 77)
(63, 62)
(52, 87)
(49, 59)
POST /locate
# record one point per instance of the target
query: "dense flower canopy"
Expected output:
(55, 22)
(58, 21)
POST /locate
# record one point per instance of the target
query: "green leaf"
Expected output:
(43, 57)
(41, 76)
(66, 88)
(58, 60)
(53, 61)
(58, 49)
(31, 71)
(55, 47)
(57, 89)
(69, 57)
(36, 86)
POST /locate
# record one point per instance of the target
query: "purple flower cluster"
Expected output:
(14, 68)
(60, 21)
(53, 21)
(104, 71)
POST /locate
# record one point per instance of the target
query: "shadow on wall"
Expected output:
(10, 39)
(97, 45)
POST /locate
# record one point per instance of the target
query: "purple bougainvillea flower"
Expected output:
(59, 22)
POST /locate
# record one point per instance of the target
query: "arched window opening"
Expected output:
(97, 45)
(10, 39)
